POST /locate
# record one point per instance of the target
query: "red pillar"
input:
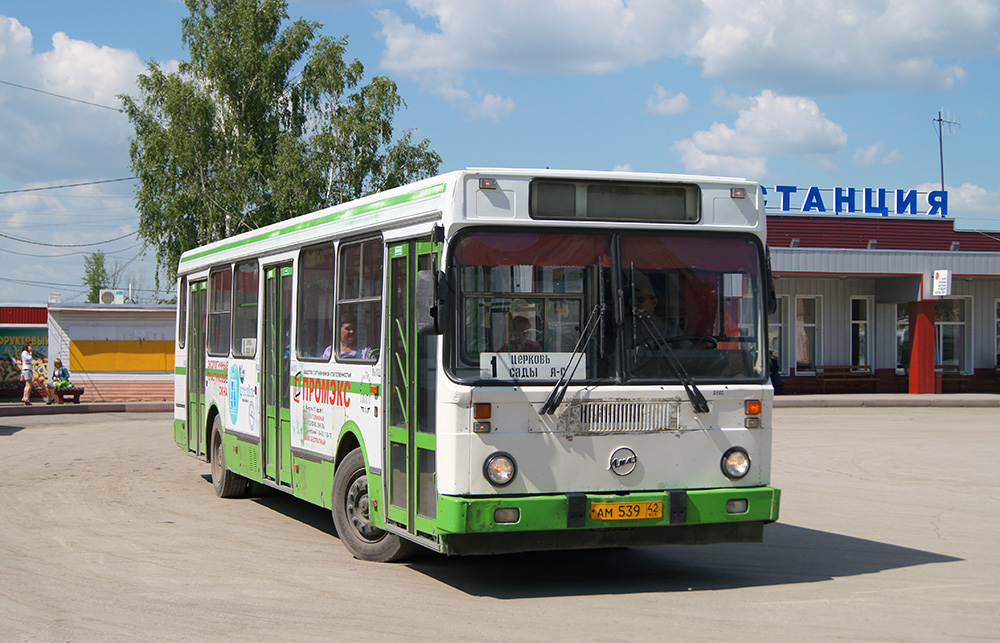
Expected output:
(922, 347)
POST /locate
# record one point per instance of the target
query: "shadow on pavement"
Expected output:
(789, 555)
(9, 430)
(307, 513)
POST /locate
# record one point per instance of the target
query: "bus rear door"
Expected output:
(275, 440)
(195, 385)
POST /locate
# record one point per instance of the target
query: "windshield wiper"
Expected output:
(595, 320)
(698, 400)
(559, 390)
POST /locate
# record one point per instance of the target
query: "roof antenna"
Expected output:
(951, 120)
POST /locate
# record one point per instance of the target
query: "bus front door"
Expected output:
(275, 440)
(410, 483)
(195, 385)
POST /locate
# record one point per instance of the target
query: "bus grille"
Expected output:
(619, 417)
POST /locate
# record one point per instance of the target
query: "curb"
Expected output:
(10, 410)
(903, 400)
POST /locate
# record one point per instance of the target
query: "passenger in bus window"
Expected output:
(349, 339)
(520, 337)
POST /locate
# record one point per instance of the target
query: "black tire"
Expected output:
(350, 516)
(227, 484)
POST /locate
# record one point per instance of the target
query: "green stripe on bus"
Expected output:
(329, 218)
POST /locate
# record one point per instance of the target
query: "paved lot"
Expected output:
(888, 533)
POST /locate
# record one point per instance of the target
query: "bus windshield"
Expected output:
(667, 302)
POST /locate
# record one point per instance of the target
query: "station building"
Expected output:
(116, 352)
(903, 294)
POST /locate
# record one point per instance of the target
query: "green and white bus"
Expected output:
(493, 360)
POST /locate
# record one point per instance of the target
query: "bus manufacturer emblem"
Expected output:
(623, 461)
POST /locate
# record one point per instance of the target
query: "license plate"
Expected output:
(626, 510)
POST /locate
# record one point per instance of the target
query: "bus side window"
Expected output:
(359, 307)
(219, 306)
(314, 332)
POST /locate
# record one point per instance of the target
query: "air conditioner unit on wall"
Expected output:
(112, 297)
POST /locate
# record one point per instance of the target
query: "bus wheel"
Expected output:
(350, 516)
(227, 484)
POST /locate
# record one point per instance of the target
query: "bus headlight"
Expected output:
(735, 463)
(499, 469)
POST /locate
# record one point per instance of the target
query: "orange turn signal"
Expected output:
(482, 411)
(753, 407)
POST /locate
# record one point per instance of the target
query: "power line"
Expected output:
(75, 100)
(79, 288)
(69, 185)
(65, 245)
(110, 253)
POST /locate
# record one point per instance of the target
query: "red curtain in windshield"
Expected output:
(532, 249)
(714, 254)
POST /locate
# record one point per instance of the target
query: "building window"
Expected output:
(359, 307)
(861, 331)
(807, 334)
(902, 338)
(950, 334)
(776, 334)
(314, 317)
(219, 305)
(245, 310)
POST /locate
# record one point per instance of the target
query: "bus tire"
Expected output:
(226, 483)
(350, 516)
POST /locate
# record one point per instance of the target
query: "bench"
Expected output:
(952, 374)
(855, 373)
(69, 392)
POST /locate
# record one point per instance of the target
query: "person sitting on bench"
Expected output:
(60, 379)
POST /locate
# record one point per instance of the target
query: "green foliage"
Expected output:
(236, 138)
(95, 276)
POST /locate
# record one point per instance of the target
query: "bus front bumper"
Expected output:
(493, 525)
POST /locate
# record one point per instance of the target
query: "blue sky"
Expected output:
(828, 93)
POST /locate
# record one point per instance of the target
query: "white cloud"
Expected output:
(795, 47)
(624, 167)
(698, 161)
(449, 86)
(730, 102)
(876, 154)
(588, 36)
(836, 46)
(664, 102)
(44, 137)
(558, 36)
(768, 125)
(967, 198)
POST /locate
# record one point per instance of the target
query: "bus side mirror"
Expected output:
(772, 295)
(430, 301)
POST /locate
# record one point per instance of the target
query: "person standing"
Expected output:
(27, 372)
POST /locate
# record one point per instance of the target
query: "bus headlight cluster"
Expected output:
(735, 463)
(499, 469)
